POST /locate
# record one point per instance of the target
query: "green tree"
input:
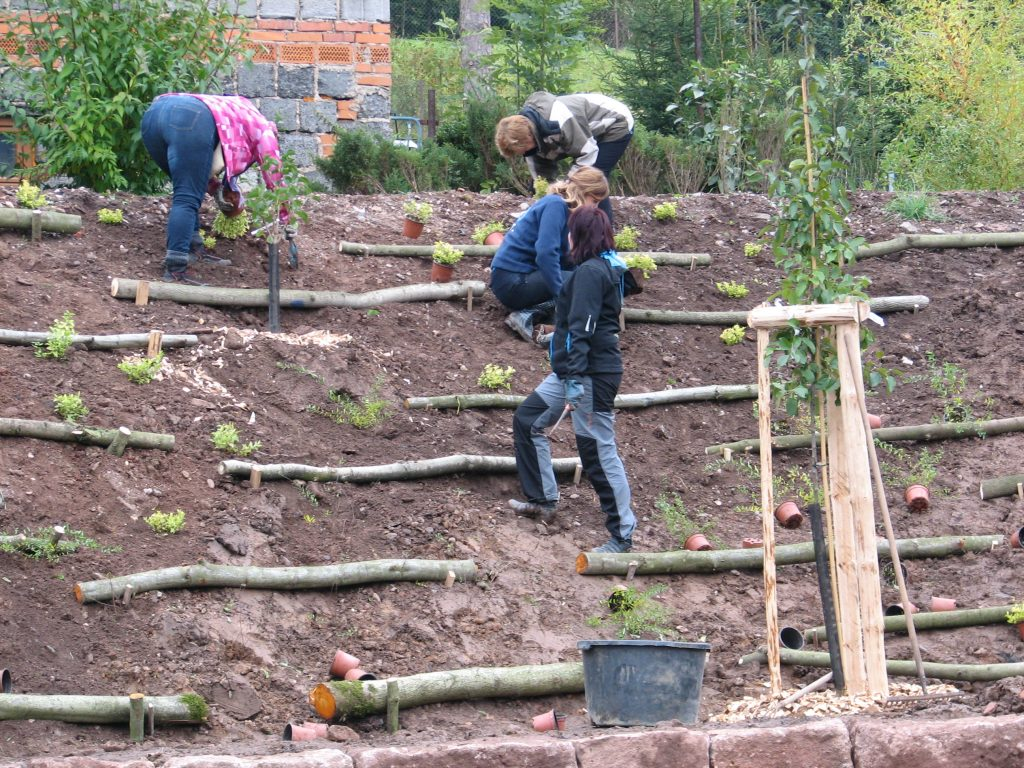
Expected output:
(96, 72)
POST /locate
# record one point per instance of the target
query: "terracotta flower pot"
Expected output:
(548, 721)
(1015, 538)
(752, 543)
(943, 604)
(319, 728)
(298, 733)
(342, 663)
(441, 273)
(495, 238)
(789, 515)
(1020, 629)
(412, 228)
(917, 498)
(359, 674)
(874, 421)
(698, 542)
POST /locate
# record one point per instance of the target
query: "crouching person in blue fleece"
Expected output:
(587, 370)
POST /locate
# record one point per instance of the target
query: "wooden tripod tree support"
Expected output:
(341, 699)
(212, 296)
(402, 470)
(187, 709)
(1007, 485)
(117, 341)
(47, 221)
(636, 400)
(254, 577)
(857, 591)
(76, 433)
(971, 617)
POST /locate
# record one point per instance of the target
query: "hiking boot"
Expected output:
(521, 322)
(184, 276)
(614, 547)
(543, 512)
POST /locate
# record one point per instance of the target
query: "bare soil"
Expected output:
(256, 655)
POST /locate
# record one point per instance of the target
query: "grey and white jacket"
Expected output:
(572, 126)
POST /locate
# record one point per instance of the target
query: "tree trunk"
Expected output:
(955, 240)
(881, 305)
(995, 487)
(474, 23)
(121, 288)
(900, 668)
(255, 577)
(714, 561)
(337, 700)
(944, 431)
(931, 620)
(76, 433)
(426, 251)
(117, 341)
(21, 218)
(188, 709)
(636, 400)
(402, 470)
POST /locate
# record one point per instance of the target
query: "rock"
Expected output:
(233, 339)
(978, 741)
(341, 733)
(231, 537)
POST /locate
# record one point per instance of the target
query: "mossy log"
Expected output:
(401, 470)
(255, 577)
(923, 432)
(114, 341)
(426, 251)
(953, 240)
(50, 221)
(634, 400)
(212, 296)
(342, 699)
(188, 709)
(882, 305)
(714, 561)
(77, 433)
(1007, 485)
(899, 667)
(931, 620)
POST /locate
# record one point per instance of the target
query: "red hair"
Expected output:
(590, 233)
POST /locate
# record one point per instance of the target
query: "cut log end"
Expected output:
(113, 287)
(582, 562)
(322, 700)
(78, 593)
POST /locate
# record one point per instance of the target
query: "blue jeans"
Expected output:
(180, 135)
(521, 290)
(608, 154)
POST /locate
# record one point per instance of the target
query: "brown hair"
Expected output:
(590, 233)
(513, 136)
(585, 182)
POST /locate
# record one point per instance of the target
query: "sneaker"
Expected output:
(614, 547)
(205, 257)
(184, 276)
(521, 322)
(544, 512)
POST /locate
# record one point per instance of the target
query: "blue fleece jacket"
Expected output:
(538, 240)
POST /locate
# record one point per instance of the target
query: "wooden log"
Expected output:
(633, 400)
(402, 470)
(136, 717)
(255, 577)
(213, 296)
(922, 432)
(952, 240)
(901, 668)
(715, 561)
(971, 617)
(343, 699)
(995, 487)
(49, 221)
(771, 316)
(116, 341)
(188, 708)
(120, 441)
(76, 433)
(881, 305)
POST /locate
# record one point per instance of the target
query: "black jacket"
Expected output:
(586, 339)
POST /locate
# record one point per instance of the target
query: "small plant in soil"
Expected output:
(679, 522)
(1016, 613)
(40, 545)
(750, 250)
(166, 522)
(301, 369)
(496, 377)
(226, 438)
(916, 206)
(949, 382)
(70, 407)
(366, 412)
(666, 211)
(733, 335)
(901, 468)
(58, 339)
(731, 289)
(418, 212)
(637, 613)
(306, 493)
(209, 241)
(29, 195)
(627, 239)
(141, 370)
(540, 188)
(446, 254)
(110, 216)
(480, 233)
(230, 228)
(643, 262)
(291, 195)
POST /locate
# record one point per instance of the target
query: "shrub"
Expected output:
(226, 438)
(666, 211)
(626, 238)
(420, 212)
(58, 340)
(366, 412)
(1016, 613)
(230, 228)
(750, 250)
(678, 520)
(481, 232)
(446, 254)
(540, 187)
(292, 194)
(637, 613)
(141, 370)
(658, 165)
(70, 407)
(496, 377)
(731, 289)
(29, 196)
(643, 262)
(166, 522)
(209, 241)
(917, 207)
(733, 335)
(110, 216)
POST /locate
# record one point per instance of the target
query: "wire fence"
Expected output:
(412, 18)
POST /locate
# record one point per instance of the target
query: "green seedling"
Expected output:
(627, 238)
(678, 521)
(731, 289)
(643, 262)
(665, 212)
(540, 188)
(58, 339)
(915, 206)
(446, 254)
(29, 195)
(110, 216)
(226, 438)
(45, 544)
(141, 370)
(496, 377)
(733, 335)
(637, 613)
(70, 407)
(166, 522)
(231, 228)
(366, 412)
(750, 250)
(301, 369)
(418, 212)
(480, 233)
(209, 241)
(1016, 613)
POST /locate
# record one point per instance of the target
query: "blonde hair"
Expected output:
(585, 182)
(513, 136)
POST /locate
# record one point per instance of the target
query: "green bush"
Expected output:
(655, 164)
(166, 522)
(494, 376)
(58, 340)
(70, 407)
(29, 195)
(110, 216)
(141, 370)
(226, 438)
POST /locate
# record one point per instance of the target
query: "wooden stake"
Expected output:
(631, 570)
(56, 535)
(1020, 490)
(120, 441)
(150, 719)
(449, 580)
(764, 424)
(469, 299)
(255, 477)
(622, 320)
(37, 226)
(577, 474)
(142, 293)
(155, 343)
(392, 706)
(136, 717)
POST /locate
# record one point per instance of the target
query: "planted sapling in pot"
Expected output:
(416, 215)
(489, 233)
(692, 534)
(1016, 616)
(445, 257)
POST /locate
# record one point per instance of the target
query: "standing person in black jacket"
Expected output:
(591, 128)
(587, 370)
